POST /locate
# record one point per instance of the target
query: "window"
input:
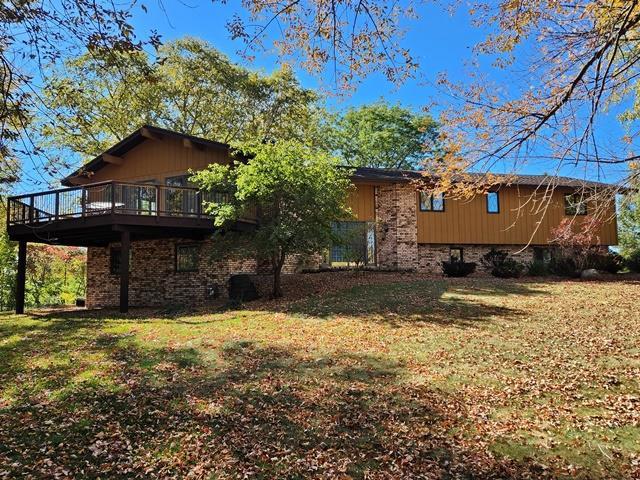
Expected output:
(574, 204)
(114, 260)
(541, 255)
(178, 181)
(187, 258)
(431, 203)
(455, 255)
(493, 202)
(177, 199)
(356, 244)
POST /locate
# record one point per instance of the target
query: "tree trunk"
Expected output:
(278, 263)
(277, 288)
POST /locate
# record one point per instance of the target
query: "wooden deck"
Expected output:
(96, 214)
(99, 213)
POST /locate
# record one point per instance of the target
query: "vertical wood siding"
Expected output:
(517, 223)
(159, 159)
(362, 204)
(462, 222)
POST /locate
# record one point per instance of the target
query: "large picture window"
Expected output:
(355, 244)
(187, 258)
(574, 204)
(431, 203)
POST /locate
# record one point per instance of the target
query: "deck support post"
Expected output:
(125, 245)
(21, 275)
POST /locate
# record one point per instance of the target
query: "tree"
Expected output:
(35, 35)
(385, 136)
(298, 191)
(191, 88)
(559, 67)
(55, 274)
(353, 37)
(629, 228)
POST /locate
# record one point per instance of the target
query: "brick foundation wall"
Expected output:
(153, 280)
(431, 256)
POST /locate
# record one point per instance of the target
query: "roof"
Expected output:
(361, 174)
(132, 141)
(386, 175)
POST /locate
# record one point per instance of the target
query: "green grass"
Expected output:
(464, 378)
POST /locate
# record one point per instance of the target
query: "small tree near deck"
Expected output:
(297, 192)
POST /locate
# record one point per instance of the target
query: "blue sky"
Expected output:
(439, 40)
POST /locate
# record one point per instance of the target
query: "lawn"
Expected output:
(402, 377)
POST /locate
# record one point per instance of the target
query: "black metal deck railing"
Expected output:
(109, 198)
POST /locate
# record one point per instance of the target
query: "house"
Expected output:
(148, 238)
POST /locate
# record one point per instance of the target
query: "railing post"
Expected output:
(157, 201)
(83, 201)
(57, 211)
(31, 206)
(113, 198)
(199, 203)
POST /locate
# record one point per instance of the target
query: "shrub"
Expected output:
(458, 269)
(632, 262)
(501, 265)
(606, 262)
(537, 268)
(564, 266)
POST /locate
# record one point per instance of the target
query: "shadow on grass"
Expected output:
(423, 301)
(259, 412)
(395, 304)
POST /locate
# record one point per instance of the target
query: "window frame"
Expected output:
(487, 196)
(177, 248)
(575, 206)
(369, 238)
(430, 203)
(461, 254)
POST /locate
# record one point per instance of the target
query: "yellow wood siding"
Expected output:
(158, 159)
(362, 203)
(467, 221)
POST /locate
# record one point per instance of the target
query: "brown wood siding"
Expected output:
(158, 159)
(468, 222)
(362, 204)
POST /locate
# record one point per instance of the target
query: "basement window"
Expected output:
(455, 255)
(431, 203)
(187, 258)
